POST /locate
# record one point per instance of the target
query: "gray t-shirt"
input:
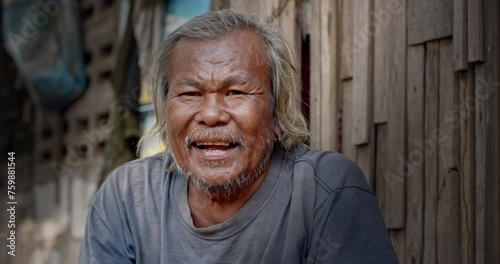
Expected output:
(312, 207)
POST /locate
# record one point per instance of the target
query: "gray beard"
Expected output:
(232, 186)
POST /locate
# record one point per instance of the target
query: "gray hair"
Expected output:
(282, 65)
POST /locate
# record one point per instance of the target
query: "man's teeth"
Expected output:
(226, 144)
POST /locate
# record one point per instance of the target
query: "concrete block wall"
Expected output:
(89, 119)
(62, 164)
(16, 136)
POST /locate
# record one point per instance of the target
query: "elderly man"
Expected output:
(236, 184)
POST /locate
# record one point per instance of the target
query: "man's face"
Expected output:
(220, 126)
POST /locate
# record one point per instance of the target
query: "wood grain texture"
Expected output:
(346, 44)
(244, 6)
(362, 72)
(415, 154)
(329, 75)
(288, 23)
(467, 166)
(348, 148)
(491, 103)
(394, 206)
(315, 92)
(448, 204)
(429, 20)
(432, 137)
(481, 146)
(265, 7)
(219, 4)
(383, 46)
(324, 76)
(398, 241)
(365, 158)
(460, 27)
(381, 137)
(475, 30)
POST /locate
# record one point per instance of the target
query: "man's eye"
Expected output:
(190, 94)
(234, 92)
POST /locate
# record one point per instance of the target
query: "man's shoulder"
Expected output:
(331, 170)
(136, 174)
(150, 162)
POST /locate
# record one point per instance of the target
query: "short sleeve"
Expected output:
(348, 228)
(107, 236)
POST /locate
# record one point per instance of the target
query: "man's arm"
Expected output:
(349, 229)
(107, 236)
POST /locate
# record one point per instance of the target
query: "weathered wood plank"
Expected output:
(329, 76)
(398, 241)
(432, 137)
(346, 49)
(490, 99)
(460, 57)
(324, 77)
(315, 92)
(381, 135)
(348, 148)
(467, 166)
(244, 6)
(387, 17)
(415, 154)
(266, 7)
(481, 146)
(383, 46)
(475, 31)
(340, 97)
(366, 158)
(334, 40)
(288, 23)
(220, 4)
(429, 20)
(487, 98)
(362, 72)
(394, 209)
(448, 204)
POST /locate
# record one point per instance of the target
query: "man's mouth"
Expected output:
(214, 145)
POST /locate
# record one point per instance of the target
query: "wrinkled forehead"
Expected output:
(240, 50)
(241, 41)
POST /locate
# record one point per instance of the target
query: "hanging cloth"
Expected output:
(43, 38)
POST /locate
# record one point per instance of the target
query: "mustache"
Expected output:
(217, 132)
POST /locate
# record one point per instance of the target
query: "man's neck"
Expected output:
(209, 209)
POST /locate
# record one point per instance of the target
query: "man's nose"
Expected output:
(212, 111)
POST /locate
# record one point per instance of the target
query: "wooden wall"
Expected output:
(410, 91)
